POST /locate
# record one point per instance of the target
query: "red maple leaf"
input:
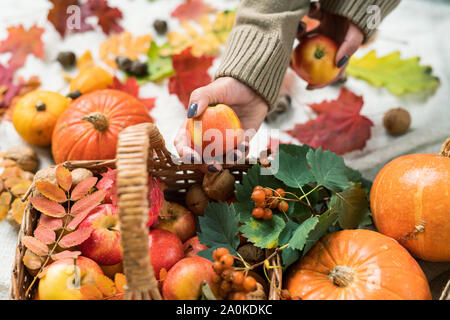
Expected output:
(132, 87)
(339, 127)
(20, 43)
(191, 10)
(59, 17)
(190, 73)
(108, 17)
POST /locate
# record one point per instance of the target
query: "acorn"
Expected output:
(67, 59)
(139, 68)
(397, 121)
(160, 26)
(124, 63)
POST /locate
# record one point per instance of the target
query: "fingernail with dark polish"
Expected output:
(212, 168)
(192, 110)
(342, 62)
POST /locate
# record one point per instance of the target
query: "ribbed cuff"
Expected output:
(363, 13)
(257, 59)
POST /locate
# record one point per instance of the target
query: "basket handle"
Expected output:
(135, 149)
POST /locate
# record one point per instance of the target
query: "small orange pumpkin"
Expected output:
(357, 265)
(35, 115)
(410, 202)
(89, 128)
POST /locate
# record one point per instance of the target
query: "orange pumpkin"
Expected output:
(410, 202)
(89, 127)
(357, 265)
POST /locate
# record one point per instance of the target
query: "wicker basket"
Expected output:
(141, 150)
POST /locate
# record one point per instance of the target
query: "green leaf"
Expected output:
(219, 228)
(288, 255)
(399, 76)
(293, 168)
(330, 170)
(326, 220)
(263, 233)
(352, 205)
(300, 235)
(159, 67)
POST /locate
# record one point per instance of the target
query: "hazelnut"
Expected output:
(397, 121)
(25, 158)
(219, 186)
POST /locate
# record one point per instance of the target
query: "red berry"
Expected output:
(219, 252)
(280, 193)
(268, 214)
(258, 196)
(257, 188)
(268, 192)
(258, 213)
(249, 284)
(227, 261)
(283, 206)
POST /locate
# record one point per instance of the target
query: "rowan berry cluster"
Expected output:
(266, 200)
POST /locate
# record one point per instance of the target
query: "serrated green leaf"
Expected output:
(263, 233)
(329, 169)
(159, 67)
(219, 227)
(352, 206)
(300, 235)
(326, 220)
(288, 255)
(399, 76)
(293, 168)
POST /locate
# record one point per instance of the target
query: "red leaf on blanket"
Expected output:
(60, 15)
(132, 87)
(191, 10)
(8, 90)
(20, 43)
(108, 17)
(75, 238)
(190, 73)
(339, 127)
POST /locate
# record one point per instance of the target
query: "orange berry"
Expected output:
(226, 274)
(216, 278)
(219, 252)
(268, 214)
(237, 277)
(227, 261)
(239, 296)
(258, 213)
(283, 206)
(257, 188)
(268, 192)
(249, 284)
(280, 193)
(261, 204)
(225, 286)
(217, 267)
(274, 204)
(258, 196)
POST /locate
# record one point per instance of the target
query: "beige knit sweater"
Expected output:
(259, 47)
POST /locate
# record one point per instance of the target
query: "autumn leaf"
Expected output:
(50, 222)
(398, 75)
(8, 89)
(75, 238)
(120, 281)
(156, 199)
(35, 246)
(132, 87)
(51, 191)
(91, 292)
(5, 201)
(20, 88)
(48, 207)
(59, 16)
(66, 254)
(339, 126)
(20, 43)
(108, 17)
(191, 10)
(84, 206)
(17, 210)
(44, 235)
(108, 184)
(190, 73)
(64, 177)
(83, 188)
(105, 285)
(85, 61)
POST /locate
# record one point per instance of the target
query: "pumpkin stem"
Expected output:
(341, 276)
(40, 106)
(445, 150)
(98, 119)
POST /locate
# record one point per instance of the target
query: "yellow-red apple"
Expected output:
(166, 249)
(103, 245)
(63, 278)
(178, 220)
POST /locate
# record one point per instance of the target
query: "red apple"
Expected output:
(178, 220)
(61, 283)
(184, 280)
(166, 249)
(314, 60)
(192, 246)
(103, 245)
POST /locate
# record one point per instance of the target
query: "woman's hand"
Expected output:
(250, 108)
(345, 33)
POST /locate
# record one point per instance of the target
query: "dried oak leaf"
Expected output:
(66, 254)
(64, 178)
(190, 73)
(191, 10)
(51, 191)
(20, 43)
(75, 238)
(83, 188)
(36, 246)
(339, 127)
(44, 235)
(48, 207)
(132, 87)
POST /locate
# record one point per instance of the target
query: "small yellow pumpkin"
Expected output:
(91, 79)
(35, 116)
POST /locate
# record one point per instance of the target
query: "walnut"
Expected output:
(80, 174)
(24, 156)
(219, 186)
(397, 121)
(197, 200)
